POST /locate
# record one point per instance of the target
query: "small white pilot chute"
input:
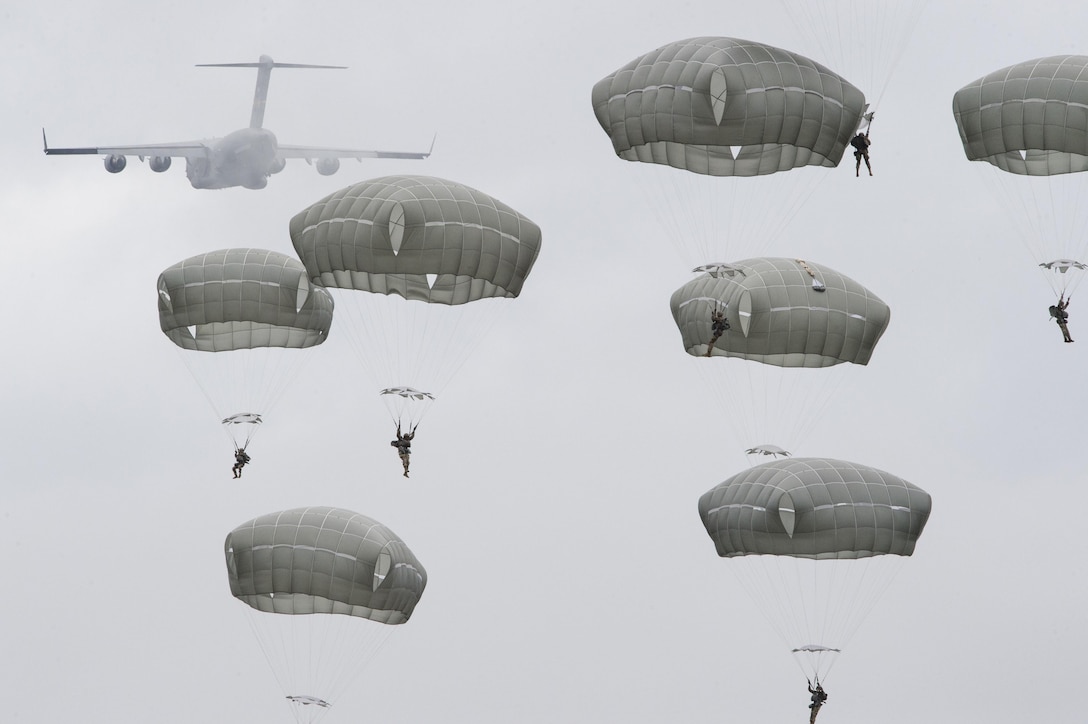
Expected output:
(718, 270)
(1061, 266)
(771, 450)
(814, 648)
(241, 428)
(1064, 275)
(813, 657)
(406, 405)
(408, 392)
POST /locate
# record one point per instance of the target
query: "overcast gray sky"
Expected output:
(554, 489)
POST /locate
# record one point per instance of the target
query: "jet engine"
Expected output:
(328, 166)
(278, 165)
(159, 164)
(115, 164)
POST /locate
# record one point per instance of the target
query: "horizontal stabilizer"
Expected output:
(264, 72)
(270, 65)
(267, 62)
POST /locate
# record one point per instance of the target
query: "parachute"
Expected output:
(783, 312)
(1028, 122)
(727, 107)
(419, 265)
(791, 324)
(757, 118)
(815, 542)
(239, 318)
(324, 588)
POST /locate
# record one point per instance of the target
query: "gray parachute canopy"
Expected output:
(323, 560)
(1030, 118)
(728, 107)
(814, 508)
(783, 312)
(420, 237)
(242, 299)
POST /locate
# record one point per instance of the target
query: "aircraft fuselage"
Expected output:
(246, 157)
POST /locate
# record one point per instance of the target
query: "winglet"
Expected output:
(45, 144)
(429, 150)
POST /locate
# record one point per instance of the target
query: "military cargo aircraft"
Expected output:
(246, 157)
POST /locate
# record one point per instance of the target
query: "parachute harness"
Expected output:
(719, 325)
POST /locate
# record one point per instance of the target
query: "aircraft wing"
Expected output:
(312, 153)
(184, 149)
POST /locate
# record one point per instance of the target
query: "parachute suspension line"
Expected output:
(405, 417)
(376, 334)
(862, 40)
(473, 324)
(891, 34)
(806, 593)
(1064, 196)
(858, 590)
(804, 190)
(343, 665)
(795, 400)
(815, 603)
(274, 649)
(410, 343)
(352, 674)
(906, 26)
(202, 384)
(1024, 205)
(244, 381)
(686, 222)
(1049, 218)
(243, 434)
(316, 655)
(782, 405)
(720, 219)
(783, 590)
(766, 587)
(819, 582)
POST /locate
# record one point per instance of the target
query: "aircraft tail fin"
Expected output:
(264, 73)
